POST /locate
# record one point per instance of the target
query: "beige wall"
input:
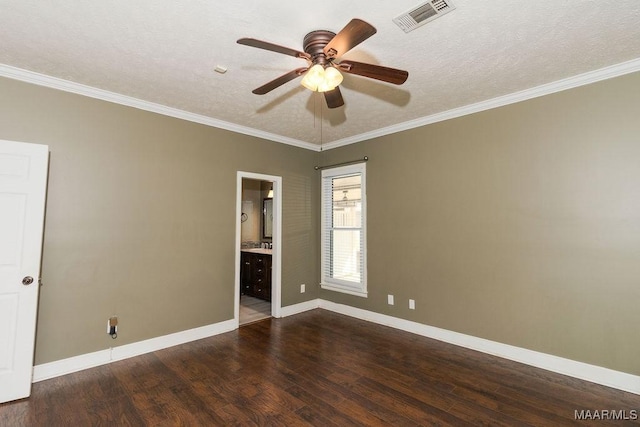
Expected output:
(141, 217)
(519, 225)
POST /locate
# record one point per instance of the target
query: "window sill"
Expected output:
(349, 291)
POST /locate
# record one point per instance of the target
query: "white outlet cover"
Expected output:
(303, 288)
(390, 299)
(412, 304)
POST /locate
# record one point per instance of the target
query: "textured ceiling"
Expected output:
(166, 52)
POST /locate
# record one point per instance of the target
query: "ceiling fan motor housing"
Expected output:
(314, 44)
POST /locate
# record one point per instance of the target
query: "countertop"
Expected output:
(258, 251)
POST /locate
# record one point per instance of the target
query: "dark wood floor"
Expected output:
(316, 368)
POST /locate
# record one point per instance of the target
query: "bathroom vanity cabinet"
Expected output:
(255, 274)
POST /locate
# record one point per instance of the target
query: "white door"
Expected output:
(23, 184)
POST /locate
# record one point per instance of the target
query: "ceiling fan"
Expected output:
(322, 49)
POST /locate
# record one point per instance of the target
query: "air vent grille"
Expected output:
(422, 14)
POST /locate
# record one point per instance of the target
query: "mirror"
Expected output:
(267, 218)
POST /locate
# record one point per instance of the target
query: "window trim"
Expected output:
(336, 284)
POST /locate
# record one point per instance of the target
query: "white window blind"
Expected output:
(343, 229)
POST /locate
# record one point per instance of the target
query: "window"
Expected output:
(344, 266)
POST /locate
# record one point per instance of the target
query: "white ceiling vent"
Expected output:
(422, 14)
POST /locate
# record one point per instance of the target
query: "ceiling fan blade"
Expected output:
(378, 72)
(273, 47)
(354, 33)
(334, 98)
(268, 87)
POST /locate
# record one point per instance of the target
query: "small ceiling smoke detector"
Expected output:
(220, 69)
(423, 13)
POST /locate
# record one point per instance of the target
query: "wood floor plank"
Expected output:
(316, 368)
(322, 411)
(412, 408)
(233, 415)
(517, 409)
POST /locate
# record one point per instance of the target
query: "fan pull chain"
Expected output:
(321, 134)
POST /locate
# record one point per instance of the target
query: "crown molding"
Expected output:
(104, 95)
(512, 98)
(610, 72)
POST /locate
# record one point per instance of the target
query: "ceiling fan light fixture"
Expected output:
(313, 78)
(320, 79)
(332, 78)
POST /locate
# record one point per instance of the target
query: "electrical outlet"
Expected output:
(390, 299)
(112, 326)
(412, 304)
(303, 288)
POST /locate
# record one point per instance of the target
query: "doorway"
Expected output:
(258, 247)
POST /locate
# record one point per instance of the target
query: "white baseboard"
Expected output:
(290, 310)
(572, 368)
(58, 368)
(49, 370)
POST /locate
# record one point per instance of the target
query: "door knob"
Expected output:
(27, 280)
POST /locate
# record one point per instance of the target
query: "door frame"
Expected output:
(276, 260)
